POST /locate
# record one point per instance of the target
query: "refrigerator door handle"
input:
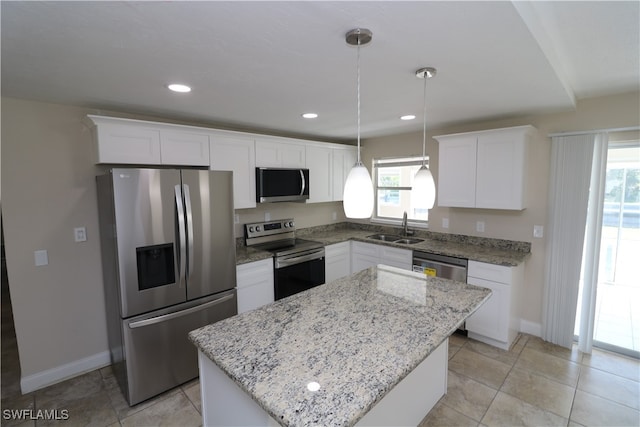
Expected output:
(169, 316)
(189, 215)
(182, 255)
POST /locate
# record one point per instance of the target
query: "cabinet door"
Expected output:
(255, 284)
(343, 161)
(337, 261)
(395, 257)
(363, 255)
(500, 171)
(492, 318)
(237, 155)
(128, 145)
(293, 156)
(319, 162)
(280, 154)
(457, 171)
(184, 148)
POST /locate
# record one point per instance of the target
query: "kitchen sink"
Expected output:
(385, 237)
(408, 241)
(394, 238)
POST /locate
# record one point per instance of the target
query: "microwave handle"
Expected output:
(304, 183)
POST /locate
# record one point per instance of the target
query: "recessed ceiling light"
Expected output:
(309, 115)
(176, 87)
(408, 117)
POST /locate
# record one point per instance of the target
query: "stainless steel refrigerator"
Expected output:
(168, 259)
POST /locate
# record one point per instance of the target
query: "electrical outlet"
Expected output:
(445, 222)
(80, 234)
(538, 231)
(480, 226)
(267, 216)
(334, 216)
(236, 219)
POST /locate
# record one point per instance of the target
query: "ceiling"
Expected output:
(260, 65)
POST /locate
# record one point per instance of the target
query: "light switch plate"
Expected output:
(538, 231)
(445, 222)
(480, 226)
(80, 234)
(41, 258)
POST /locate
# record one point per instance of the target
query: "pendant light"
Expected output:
(358, 188)
(423, 190)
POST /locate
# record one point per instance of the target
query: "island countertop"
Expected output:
(356, 337)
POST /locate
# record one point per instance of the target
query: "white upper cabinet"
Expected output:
(280, 154)
(343, 160)
(184, 148)
(457, 171)
(320, 164)
(329, 165)
(125, 141)
(237, 154)
(485, 169)
(137, 142)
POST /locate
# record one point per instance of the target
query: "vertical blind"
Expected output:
(571, 165)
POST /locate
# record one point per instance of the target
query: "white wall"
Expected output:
(597, 113)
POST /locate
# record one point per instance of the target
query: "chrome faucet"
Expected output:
(405, 226)
(405, 229)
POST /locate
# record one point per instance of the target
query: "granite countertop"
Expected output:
(492, 251)
(357, 337)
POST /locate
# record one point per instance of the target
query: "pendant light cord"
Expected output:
(424, 124)
(358, 95)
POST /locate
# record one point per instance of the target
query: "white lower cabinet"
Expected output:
(337, 261)
(255, 284)
(497, 321)
(365, 255)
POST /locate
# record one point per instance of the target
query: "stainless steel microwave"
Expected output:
(282, 185)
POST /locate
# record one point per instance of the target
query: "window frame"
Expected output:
(388, 162)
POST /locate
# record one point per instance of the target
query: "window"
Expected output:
(392, 183)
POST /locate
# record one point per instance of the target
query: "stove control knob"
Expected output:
(286, 224)
(251, 229)
(290, 223)
(257, 228)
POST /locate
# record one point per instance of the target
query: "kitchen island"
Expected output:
(370, 349)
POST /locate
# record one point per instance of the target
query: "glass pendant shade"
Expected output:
(358, 193)
(423, 191)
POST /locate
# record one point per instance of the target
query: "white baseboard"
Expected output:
(530, 328)
(64, 372)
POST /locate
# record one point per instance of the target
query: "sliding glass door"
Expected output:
(616, 320)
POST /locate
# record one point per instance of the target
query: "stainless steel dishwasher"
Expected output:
(441, 266)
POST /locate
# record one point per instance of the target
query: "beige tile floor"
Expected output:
(535, 384)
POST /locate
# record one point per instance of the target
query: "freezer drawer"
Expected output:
(158, 353)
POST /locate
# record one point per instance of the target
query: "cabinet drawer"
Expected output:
(492, 272)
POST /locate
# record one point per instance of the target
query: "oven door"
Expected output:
(298, 272)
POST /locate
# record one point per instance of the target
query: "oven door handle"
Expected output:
(286, 262)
